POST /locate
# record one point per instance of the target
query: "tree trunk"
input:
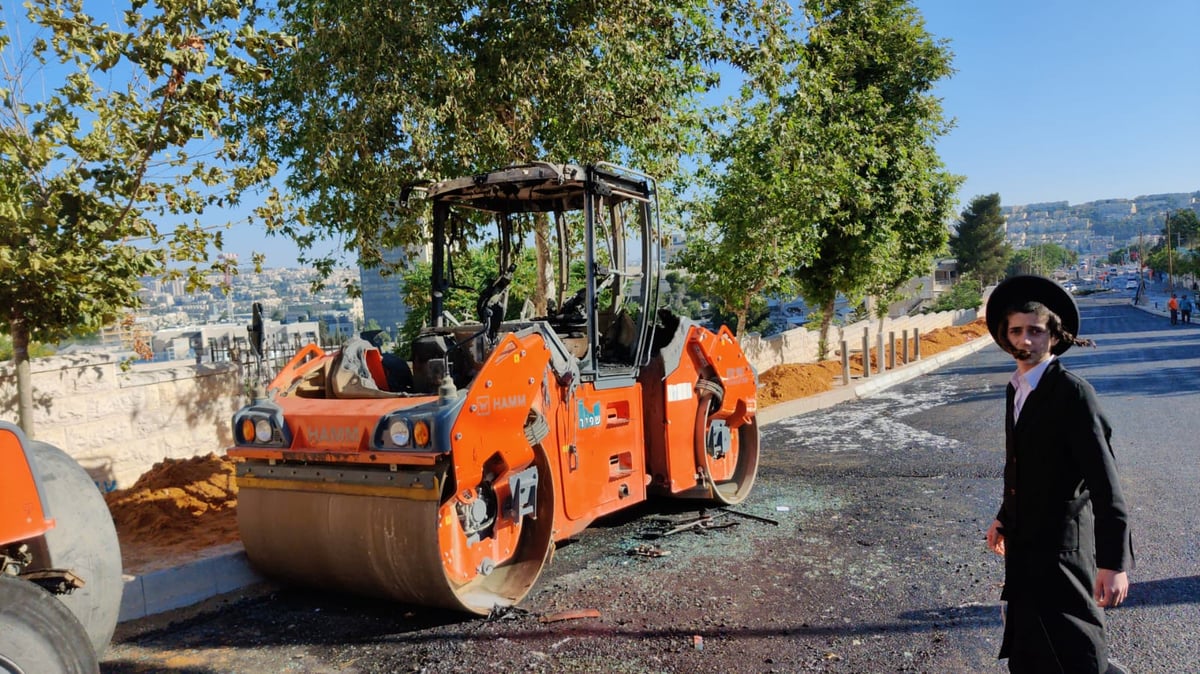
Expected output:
(826, 321)
(741, 318)
(20, 341)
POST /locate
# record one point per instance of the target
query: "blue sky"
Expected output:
(1074, 100)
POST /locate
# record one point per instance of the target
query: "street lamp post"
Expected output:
(1170, 256)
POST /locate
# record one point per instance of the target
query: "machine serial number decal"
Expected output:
(737, 375)
(676, 392)
(589, 419)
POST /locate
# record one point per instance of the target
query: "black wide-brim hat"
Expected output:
(1017, 290)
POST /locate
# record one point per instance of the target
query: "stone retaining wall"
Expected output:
(118, 424)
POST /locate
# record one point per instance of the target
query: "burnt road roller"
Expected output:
(60, 562)
(445, 478)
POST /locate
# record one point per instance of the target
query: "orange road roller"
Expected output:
(445, 478)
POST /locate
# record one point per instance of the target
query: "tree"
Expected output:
(1040, 259)
(865, 85)
(1182, 229)
(964, 294)
(112, 150)
(384, 94)
(829, 183)
(744, 241)
(978, 242)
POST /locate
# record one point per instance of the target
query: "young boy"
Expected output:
(1063, 527)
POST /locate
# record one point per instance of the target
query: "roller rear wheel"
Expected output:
(83, 541)
(408, 545)
(726, 456)
(39, 634)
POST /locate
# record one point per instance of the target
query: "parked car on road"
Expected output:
(1131, 284)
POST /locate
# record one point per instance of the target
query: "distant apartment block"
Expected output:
(1094, 227)
(382, 295)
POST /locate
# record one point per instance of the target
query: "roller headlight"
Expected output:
(263, 431)
(262, 426)
(404, 430)
(421, 433)
(398, 432)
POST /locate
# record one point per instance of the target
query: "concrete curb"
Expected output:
(228, 569)
(187, 584)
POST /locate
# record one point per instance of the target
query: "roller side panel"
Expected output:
(20, 494)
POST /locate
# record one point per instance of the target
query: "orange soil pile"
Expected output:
(179, 506)
(791, 381)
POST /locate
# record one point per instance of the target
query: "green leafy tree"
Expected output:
(385, 93)
(1182, 229)
(964, 294)
(743, 242)
(830, 184)
(978, 242)
(866, 155)
(111, 149)
(1041, 259)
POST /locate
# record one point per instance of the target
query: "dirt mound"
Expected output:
(178, 506)
(793, 380)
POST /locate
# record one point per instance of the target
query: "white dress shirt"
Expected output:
(1024, 384)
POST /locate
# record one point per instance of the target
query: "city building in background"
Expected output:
(382, 297)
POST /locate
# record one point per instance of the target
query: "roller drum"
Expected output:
(397, 543)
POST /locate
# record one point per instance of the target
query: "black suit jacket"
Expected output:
(1063, 513)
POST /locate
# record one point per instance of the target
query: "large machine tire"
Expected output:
(39, 634)
(83, 541)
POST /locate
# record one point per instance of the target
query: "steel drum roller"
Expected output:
(376, 540)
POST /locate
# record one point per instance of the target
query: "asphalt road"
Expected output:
(877, 563)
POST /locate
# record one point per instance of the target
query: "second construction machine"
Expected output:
(446, 480)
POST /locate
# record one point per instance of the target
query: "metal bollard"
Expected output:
(891, 349)
(845, 363)
(866, 353)
(880, 367)
(904, 345)
(916, 343)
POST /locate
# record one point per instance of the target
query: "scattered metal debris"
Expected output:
(499, 612)
(756, 518)
(648, 551)
(701, 522)
(575, 614)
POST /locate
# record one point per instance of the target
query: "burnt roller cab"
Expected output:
(445, 480)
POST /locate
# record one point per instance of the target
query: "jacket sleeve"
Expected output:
(1092, 450)
(1002, 513)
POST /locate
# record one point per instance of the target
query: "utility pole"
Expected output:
(1170, 256)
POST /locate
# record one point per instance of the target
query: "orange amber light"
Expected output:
(247, 430)
(421, 433)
